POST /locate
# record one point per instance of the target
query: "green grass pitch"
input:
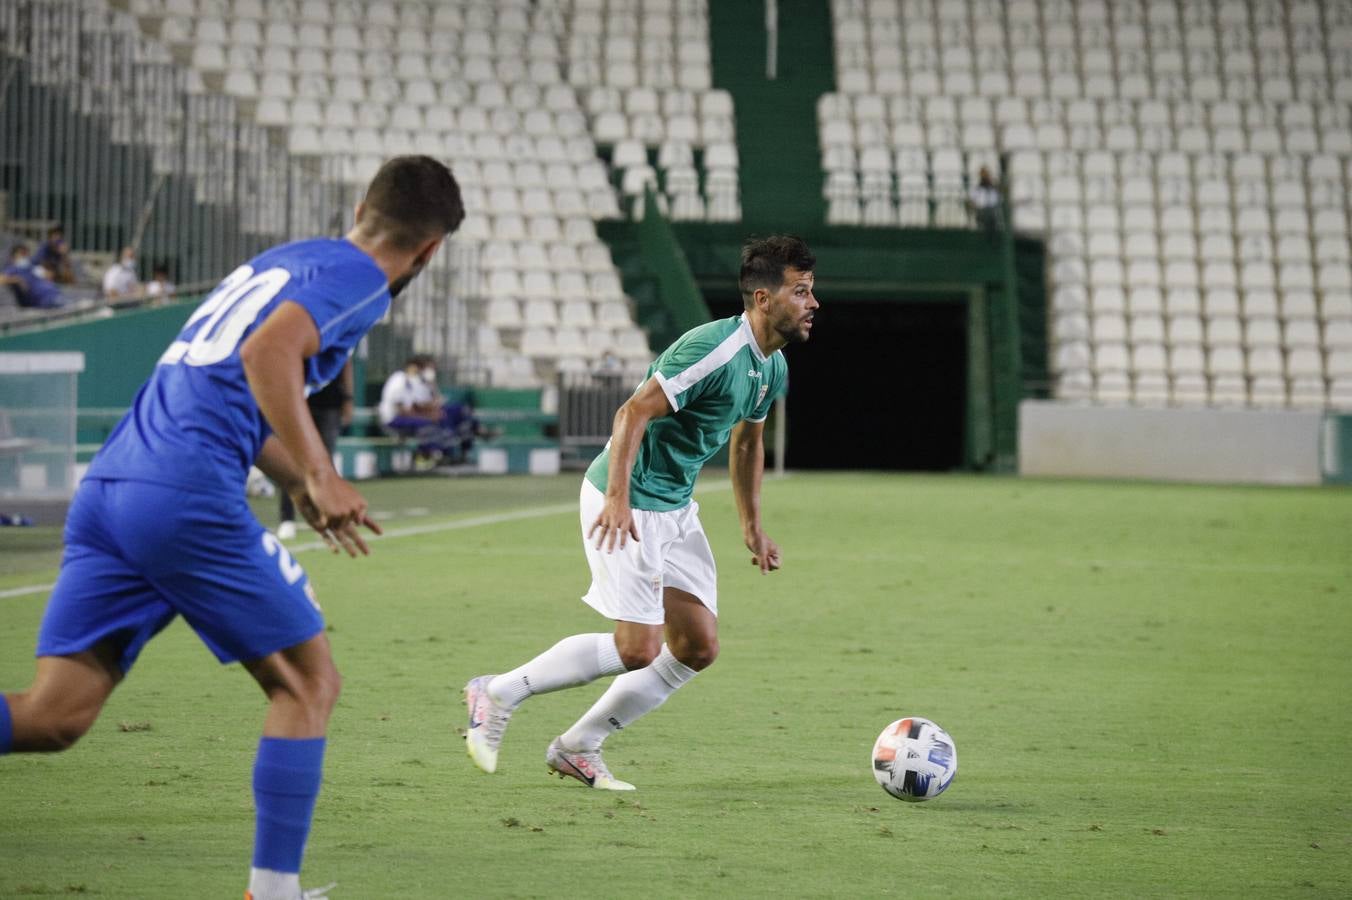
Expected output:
(1150, 687)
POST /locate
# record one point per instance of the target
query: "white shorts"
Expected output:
(672, 551)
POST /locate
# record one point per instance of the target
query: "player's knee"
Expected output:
(316, 691)
(698, 654)
(324, 688)
(59, 730)
(639, 655)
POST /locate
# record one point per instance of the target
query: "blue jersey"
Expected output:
(195, 424)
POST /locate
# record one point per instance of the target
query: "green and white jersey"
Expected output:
(714, 376)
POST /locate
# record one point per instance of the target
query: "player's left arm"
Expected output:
(278, 465)
(280, 468)
(746, 464)
(273, 358)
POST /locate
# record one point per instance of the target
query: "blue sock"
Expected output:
(6, 726)
(286, 782)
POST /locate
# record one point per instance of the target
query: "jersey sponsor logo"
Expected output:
(753, 374)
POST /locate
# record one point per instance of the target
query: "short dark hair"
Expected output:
(14, 251)
(420, 360)
(413, 199)
(765, 259)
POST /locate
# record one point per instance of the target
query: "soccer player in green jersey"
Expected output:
(652, 569)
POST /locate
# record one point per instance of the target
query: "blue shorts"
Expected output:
(138, 554)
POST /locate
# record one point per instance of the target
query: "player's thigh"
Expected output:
(101, 599)
(688, 561)
(626, 581)
(305, 670)
(235, 583)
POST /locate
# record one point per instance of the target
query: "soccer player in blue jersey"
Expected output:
(159, 526)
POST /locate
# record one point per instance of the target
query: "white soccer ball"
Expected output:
(914, 759)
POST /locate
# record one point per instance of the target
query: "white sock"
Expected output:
(629, 697)
(266, 884)
(572, 661)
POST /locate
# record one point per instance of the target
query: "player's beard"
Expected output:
(790, 328)
(398, 285)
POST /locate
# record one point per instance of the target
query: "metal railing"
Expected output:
(587, 405)
(104, 134)
(100, 133)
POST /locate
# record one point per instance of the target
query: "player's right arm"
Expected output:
(278, 465)
(616, 521)
(273, 358)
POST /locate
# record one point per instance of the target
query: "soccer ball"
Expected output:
(914, 759)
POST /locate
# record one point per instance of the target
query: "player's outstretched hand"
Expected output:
(336, 509)
(764, 552)
(616, 522)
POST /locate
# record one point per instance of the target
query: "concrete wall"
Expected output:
(1218, 445)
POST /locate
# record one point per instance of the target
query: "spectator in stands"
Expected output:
(607, 364)
(54, 257)
(406, 401)
(159, 285)
(30, 288)
(120, 280)
(411, 407)
(608, 369)
(332, 410)
(985, 202)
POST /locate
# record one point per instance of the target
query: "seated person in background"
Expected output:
(407, 401)
(54, 257)
(30, 288)
(120, 280)
(159, 284)
(411, 406)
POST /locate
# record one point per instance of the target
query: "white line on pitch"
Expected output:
(413, 530)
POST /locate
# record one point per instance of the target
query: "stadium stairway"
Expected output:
(640, 283)
(1030, 273)
(776, 137)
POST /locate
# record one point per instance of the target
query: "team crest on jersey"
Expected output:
(763, 390)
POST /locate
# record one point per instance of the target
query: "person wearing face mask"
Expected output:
(120, 281)
(411, 407)
(54, 258)
(159, 285)
(159, 526)
(30, 289)
(408, 403)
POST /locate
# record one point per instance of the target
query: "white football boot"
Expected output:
(586, 766)
(487, 722)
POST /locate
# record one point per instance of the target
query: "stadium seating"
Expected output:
(1187, 162)
(518, 95)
